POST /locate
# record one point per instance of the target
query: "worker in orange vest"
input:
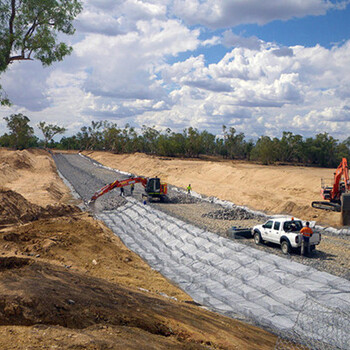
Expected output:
(307, 233)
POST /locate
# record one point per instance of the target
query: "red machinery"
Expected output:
(334, 194)
(153, 187)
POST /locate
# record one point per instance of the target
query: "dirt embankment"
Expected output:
(15, 209)
(32, 173)
(67, 282)
(272, 189)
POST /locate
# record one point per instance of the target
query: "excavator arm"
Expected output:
(117, 183)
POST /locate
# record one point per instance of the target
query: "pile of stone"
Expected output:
(180, 198)
(236, 213)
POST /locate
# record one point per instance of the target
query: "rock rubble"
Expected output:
(236, 213)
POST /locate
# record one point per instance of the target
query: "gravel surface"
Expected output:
(87, 176)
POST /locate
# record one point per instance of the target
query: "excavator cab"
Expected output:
(153, 186)
(155, 189)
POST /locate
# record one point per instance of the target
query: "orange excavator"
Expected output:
(155, 190)
(336, 196)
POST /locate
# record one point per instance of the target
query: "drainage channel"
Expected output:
(227, 277)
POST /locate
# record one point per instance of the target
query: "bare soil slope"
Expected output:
(67, 282)
(15, 209)
(272, 189)
(32, 173)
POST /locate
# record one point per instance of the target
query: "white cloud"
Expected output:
(25, 84)
(123, 67)
(134, 62)
(231, 39)
(91, 21)
(299, 92)
(228, 13)
(142, 10)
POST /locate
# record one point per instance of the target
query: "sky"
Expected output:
(262, 67)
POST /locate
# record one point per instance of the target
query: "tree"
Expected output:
(343, 150)
(321, 150)
(193, 144)
(150, 139)
(111, 137)
(208, 142)
(69, 143)
(28, 29)
(265, 150)
(234, 143)
(90, 136)
(290, 147)
(49, 131)
(22, 134)
(129, 139)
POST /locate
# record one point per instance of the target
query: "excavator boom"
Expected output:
(153, 187)
(117, 183)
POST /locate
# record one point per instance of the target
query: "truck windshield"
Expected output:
(292, 226)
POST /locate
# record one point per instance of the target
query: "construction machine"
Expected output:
(154, 188)
(337, 196)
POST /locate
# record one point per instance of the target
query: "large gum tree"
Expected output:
(29, 28)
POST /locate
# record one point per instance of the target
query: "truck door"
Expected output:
(266, 234)
(276, 232)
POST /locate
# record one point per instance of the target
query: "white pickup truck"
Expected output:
(284, 231)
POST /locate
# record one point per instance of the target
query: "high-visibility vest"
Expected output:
(306, 231)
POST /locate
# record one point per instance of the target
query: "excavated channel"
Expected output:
(226, 276)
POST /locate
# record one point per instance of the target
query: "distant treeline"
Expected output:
(321, 150)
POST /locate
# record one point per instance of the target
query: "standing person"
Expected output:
(132, 187)
(307, 233)
(189, 188)
(122, 191)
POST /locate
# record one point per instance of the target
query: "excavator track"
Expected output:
(327, 206)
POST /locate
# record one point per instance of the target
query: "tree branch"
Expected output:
(11, 29)
(12, 17)
(28, 35)
(30, 30)
(19, 58)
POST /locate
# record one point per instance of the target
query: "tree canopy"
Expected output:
(49, 131)
(21, 133)
(320, 150)
(29, 28)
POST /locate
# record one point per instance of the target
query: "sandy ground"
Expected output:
(271, 189)
(32, 173)
(66, 282)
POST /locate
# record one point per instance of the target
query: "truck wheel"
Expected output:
(312, 247)
(285, 247)
(257, 237)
